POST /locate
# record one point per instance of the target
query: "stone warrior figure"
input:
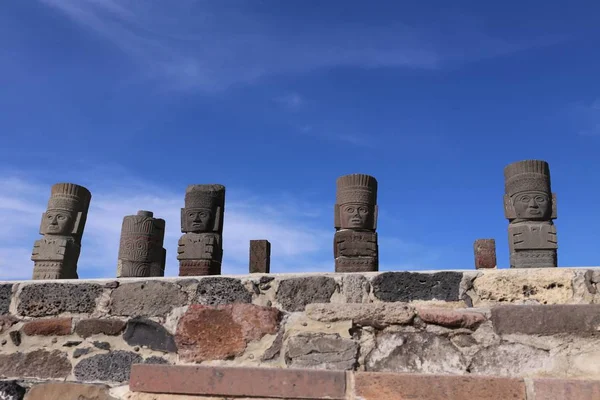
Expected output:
(200, 249)
(355, 218)
(530, 207)
(141, 251)
(55, 256)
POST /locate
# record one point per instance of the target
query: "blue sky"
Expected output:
(276, 99)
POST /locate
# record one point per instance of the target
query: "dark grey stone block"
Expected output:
(38, 300)
(295, 293)
(143, 332)
(215, 291)
(109, 367)
(5, 296)
(155, 360)
(11, 390)
(409, 286)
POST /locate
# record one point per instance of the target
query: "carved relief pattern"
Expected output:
(141, 246)
(355, 246)
(55, 256)
(530, 207)
(200, 250)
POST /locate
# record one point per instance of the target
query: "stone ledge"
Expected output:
(236, 381)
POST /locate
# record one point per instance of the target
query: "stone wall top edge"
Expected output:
(291, 275)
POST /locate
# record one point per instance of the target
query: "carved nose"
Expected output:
(54, 221)
(533, 204)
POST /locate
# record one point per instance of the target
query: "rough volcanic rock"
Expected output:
(5, 297)
(40, 364)
(214, 291)
(150, 298)
(41, 299)
(109, 367)
(295, 293)
(409, 286)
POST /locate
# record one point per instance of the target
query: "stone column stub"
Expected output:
(200, 248)
(355, 246)
(530, 207)
(485, 253)
(260, 257)
(141, 251)
(55, 256)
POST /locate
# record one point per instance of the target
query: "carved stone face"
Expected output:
(356, 216)
(199, 219)
(532, 205)
(58, 222)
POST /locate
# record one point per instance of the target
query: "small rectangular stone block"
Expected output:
(231, 381)
(5, 297)
(565, 389)
(389, 386)
(547, 319)
(485, 253)
(260, 256)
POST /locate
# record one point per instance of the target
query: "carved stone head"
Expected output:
(67, 210)
(528, 195)
(204, 208)
(356, 202)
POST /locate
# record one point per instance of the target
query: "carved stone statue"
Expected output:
(141, 251)
(200, 249)
(55, 255)
(530, 207)
(355, 246)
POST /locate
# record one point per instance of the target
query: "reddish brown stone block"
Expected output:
(246, 382)
(88, 327)
(48, 327)
(220, 332)
(450, 318)
(485, 253)
(260, 257)
(387, 386)
(566, 389)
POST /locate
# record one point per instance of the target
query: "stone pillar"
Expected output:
(530, 207)
(485, 253)
(141, 251)
(200, 249)
(260, 257)
(55, 256)
(355, 246)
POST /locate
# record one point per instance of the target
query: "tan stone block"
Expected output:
(369, 314)
(67, 390)
(386, 386)
(545, 286)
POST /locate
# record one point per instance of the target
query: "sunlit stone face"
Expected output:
(532, 205)
(58, 222)
(198, 219)
(356, 216)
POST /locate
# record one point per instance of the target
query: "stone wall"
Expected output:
(524, 323)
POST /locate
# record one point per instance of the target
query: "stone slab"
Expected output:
(547, 319)
(386, 386)
(67, 390)
(42, 299)
(368, 314)
(151, 298)
(95, 326)
(48, 327)
(565, 389)
(410, 286)
(232, 381)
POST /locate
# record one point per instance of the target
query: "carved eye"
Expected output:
(525, 199)
(350, 209)
(363, 210)
(61, 217)
(540, 199)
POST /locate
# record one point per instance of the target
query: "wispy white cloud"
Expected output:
(291, 101)
(209, 45)
(346, 135)
(586, 117)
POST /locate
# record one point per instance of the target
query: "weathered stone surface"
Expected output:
(422, 352)
(5, 296)
(385, 386)
(143, 332)
(101, 345)
(565, 389)
(11, 390)
(109, 367)
(215, 291)
(409, 286)
(295, 293)
(545, 286)
(221, 332)
(485, 253)
(260, 256)
(450, 318)
(88, 327)
(238, 383)
(378, 315)
(36, 364)
(321, 351)
(275, 349)
(15, 337)
(38, 300)
(155, 360)
(68, 391)
(547, 319)
(6, 321)
(150, 298)
(48, 327)
(509, 359)
(355, 288)
(81, 352)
